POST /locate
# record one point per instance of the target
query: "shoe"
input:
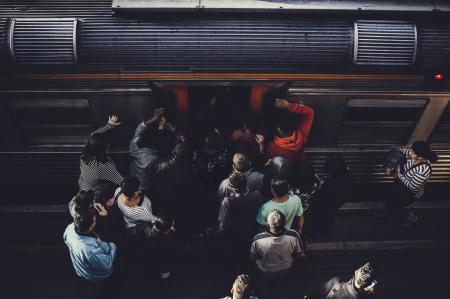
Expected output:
(410, 220)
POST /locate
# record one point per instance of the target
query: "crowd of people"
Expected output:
(247, 187)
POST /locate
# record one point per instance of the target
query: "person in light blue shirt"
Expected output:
(92, 258)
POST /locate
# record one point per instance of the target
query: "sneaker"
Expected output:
(410, 220)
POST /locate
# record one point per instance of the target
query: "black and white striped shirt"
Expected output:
(94, 171)
(136, 214)
(415, 177)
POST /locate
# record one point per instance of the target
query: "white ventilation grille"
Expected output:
(43, 41)
(385, 43)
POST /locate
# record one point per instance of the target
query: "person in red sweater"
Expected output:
(291, 132)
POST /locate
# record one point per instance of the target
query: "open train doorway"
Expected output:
(223, 108)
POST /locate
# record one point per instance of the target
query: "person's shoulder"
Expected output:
(294, 198)
(261, 236)
(292, 233)
(69, 229)
(117, 191)
(255, 194)
(255, 174)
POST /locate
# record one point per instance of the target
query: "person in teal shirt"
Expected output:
(289, 205)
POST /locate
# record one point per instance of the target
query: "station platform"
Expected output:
(411, 262)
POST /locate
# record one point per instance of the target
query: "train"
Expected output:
(375, 73)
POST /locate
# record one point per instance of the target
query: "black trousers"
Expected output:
(398, 201)
(162, 251)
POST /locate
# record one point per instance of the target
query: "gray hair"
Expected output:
(276, 221)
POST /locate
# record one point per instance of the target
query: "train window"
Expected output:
(441, 133)
(51, 122)
(379, 121)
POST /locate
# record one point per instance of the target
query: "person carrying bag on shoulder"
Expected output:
(411, 177)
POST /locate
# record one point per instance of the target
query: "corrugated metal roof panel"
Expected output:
(434, 45)
(216, 43)
(384, 42)
(43, 41)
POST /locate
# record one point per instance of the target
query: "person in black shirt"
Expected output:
(362, 285)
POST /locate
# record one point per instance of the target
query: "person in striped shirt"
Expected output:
(135, 207)
(95, 163)
(411, 179)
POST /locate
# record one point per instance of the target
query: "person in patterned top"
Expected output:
(95, 163)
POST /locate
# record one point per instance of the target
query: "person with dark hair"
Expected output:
(336, 189)
(411, 178)
(288, 204)
(163, 245)
(152, 140)
(82, 201)
(274, 251)
(92, 258)
(95, 163)
(242, 164)
(362, 285)
(248, 140)
(237, 214)
(241, 289)
(291, 133)
(278, 167)
(135, 207)
(182, 193)
(212, 159)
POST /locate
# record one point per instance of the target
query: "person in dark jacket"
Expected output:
(362, 285)
(153, 139)
(336, 189)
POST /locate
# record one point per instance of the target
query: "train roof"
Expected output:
(411, 6)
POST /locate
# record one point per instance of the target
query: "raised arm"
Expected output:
(113, 121)
(306, 118)
(156, 117)
(306, 114)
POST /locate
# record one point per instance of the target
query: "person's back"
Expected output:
(95, 164)
(290, 205)
(335, 191)
(242, 212)
(292, 134)
(134, 205)
(276, 252)
(92, 258)
(181, 193)
(254, 183)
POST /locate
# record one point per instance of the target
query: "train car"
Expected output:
(376, 74)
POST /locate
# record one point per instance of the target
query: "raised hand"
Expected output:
(158, 113)
(113, 120)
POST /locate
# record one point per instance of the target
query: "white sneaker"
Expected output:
(410, 220)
